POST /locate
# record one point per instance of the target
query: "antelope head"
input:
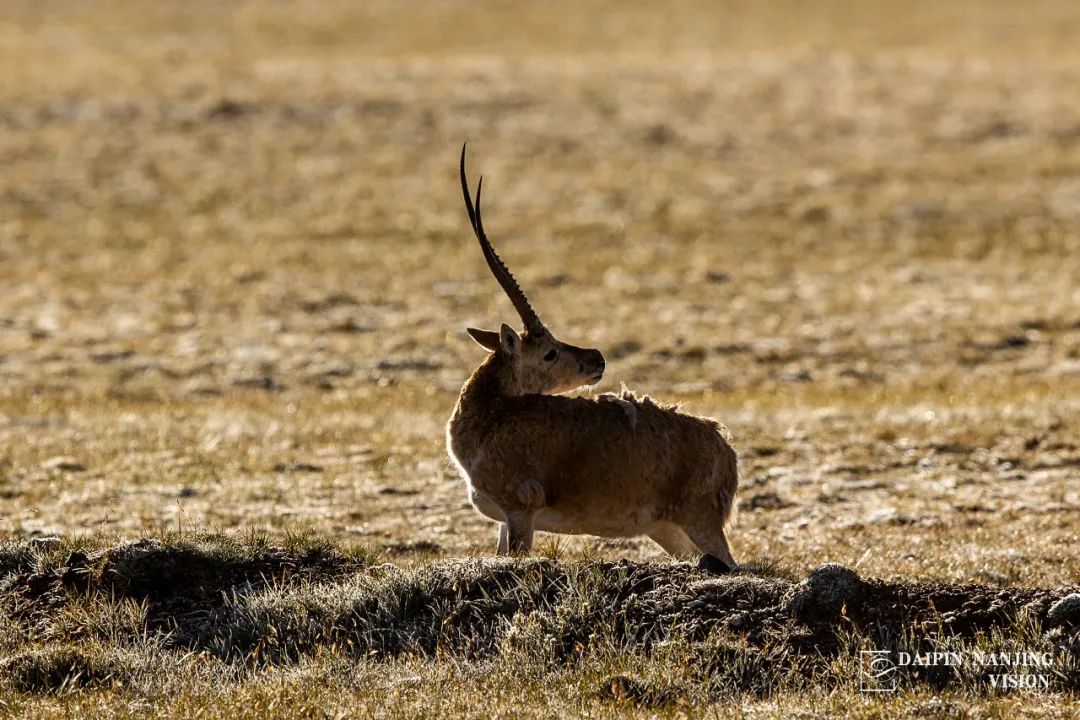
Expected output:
(533, 361)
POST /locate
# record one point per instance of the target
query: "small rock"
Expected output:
(1015, 341)
(227, 109)
(110, 356)
(626, 349)
(418, 364)
(350, 325)
(38, 583)
(798, 375)
(201, 388)
(77, 559)
(824, 593)
(767, 501)
(76, 574)
(64, 464)
(297, 467)
(660, 134)
(817, 214)
(263, 382)
(1065, 611)
(738, 620)
(765, 450)
(717, 277)
(44, 543)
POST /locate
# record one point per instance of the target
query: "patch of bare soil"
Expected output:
(754, 630)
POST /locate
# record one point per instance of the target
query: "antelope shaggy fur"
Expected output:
(612, 465)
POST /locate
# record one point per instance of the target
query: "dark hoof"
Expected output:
(714, 565)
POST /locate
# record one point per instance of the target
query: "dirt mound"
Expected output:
(747, 631)
(174, 579)
(63, 668)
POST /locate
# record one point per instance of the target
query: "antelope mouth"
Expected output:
(597, 377)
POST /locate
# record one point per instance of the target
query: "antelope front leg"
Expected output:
(504, 540)
(519, 529)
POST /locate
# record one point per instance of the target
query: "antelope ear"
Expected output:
(509, 340)
(488, 339)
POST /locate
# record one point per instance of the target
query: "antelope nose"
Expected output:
(597, 358)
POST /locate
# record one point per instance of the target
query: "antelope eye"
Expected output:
(551, 355)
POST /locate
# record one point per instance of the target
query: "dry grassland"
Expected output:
(236, 271)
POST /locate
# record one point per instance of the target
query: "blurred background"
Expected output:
(236, 266)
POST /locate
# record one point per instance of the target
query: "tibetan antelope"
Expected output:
(612, 466)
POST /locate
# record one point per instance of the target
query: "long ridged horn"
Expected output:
(498, 267)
